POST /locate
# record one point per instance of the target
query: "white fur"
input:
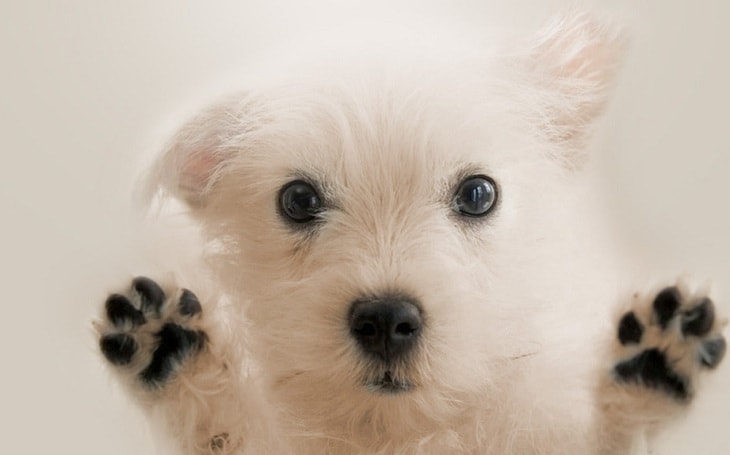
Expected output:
(518, 306)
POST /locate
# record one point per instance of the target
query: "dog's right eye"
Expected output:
(476, 196)
(299, 201)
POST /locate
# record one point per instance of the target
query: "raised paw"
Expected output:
(666, 340)
(148, 334)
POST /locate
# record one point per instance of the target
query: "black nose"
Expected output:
(386, 328)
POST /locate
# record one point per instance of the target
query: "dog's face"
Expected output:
(386, 229)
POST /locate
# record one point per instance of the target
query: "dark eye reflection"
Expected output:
(475, 196)
(299, 201)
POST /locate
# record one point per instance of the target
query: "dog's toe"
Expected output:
(676, 340)
(118, 348)
(142, 324)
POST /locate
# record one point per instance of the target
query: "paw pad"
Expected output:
(698, 321)
(665, 305)
(121, 312)
(712, 352)
(150, 294)
(651, 369)
(143, 324)
(174, 344)
(630, 330)
(674, 343)
(118, 348)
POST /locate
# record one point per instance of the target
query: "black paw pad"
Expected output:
(119, 348)
(189, 304)
(175, 343)
(666, 304)
(120, 310)
(630, 329)
(151, 294)
(712, 352)
(650, 368)
(698, 321)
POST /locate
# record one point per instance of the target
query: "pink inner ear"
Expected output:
(583, 51)
(580, 55)
(576, 59)
(197, 173)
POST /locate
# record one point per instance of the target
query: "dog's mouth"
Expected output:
(389, 385)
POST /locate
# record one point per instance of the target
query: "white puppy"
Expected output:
(399, 259)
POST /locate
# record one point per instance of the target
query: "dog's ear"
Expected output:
(574, 59)
(198, 154)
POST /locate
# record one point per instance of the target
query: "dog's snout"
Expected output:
(386, 328)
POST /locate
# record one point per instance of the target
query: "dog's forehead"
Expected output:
(377, 132)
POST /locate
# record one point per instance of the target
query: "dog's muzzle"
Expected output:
(386, 328)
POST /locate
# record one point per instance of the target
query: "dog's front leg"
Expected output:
(661, 345)
(178, 363)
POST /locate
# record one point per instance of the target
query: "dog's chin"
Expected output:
(387, 384)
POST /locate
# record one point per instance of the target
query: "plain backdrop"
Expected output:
(86, 87)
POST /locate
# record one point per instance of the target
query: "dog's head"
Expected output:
(386, 226)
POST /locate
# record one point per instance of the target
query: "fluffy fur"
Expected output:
(518, 345)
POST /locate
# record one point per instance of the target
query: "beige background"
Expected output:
(87, 85)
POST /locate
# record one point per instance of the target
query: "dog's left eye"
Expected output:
(299, 201)
(476, 196)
